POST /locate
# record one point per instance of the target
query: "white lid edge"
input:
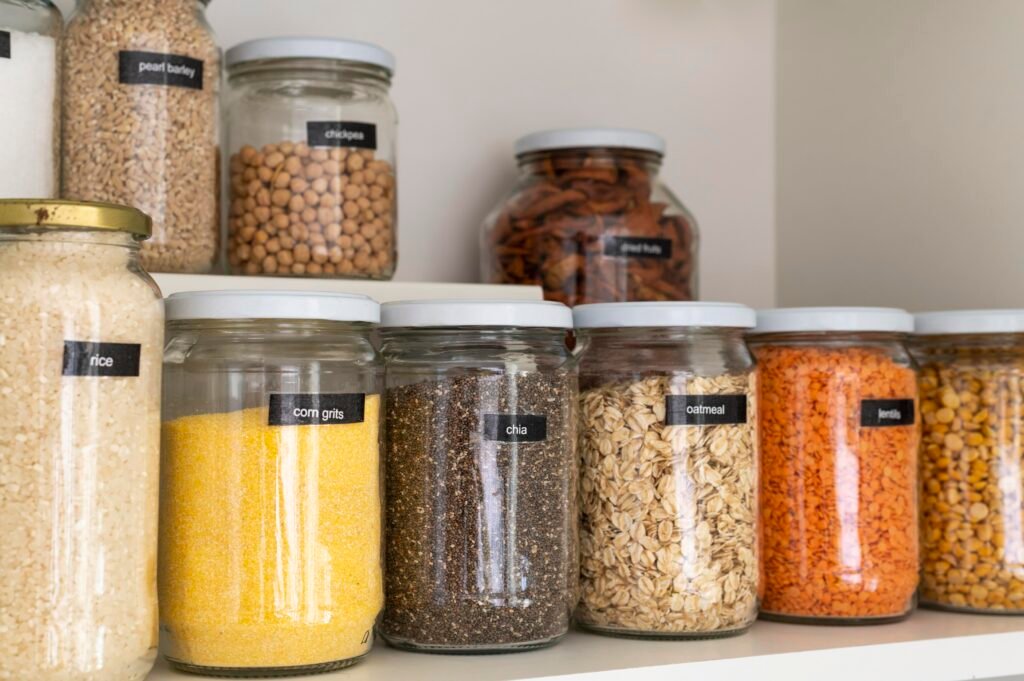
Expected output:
(664, 315)
(572, 138)
(497, 313)
(254, 304)
(824, 319)
(955, 322)
(286, 47)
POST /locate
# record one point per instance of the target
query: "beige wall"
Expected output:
(901, 152)
(473, 75)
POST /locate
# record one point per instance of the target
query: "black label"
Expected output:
(637, 247)
(882, 413)
(341, 134)
(515, 428)
(5, 45)
(83, 358)
(311, 409)
(153, 68)
(705, 410)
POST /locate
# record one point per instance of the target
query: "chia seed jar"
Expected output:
(481, 520)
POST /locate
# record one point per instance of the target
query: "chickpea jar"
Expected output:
(972, 457)
(310, 134)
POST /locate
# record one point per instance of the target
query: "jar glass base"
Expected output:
(832, 621)
(664, 635)
(469, 649)
(968, 610)
(262, 672)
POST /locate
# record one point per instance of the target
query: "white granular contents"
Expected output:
(28, 117)
(79, 460)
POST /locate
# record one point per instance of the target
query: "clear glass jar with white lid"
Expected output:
(270, 517)
(31, 32)
(311, 155)
(668, 443)
(972, 455)
(481, 475)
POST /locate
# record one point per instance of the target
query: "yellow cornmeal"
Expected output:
(270, 551)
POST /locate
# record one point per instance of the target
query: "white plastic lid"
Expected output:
(573, 138)
(310, 48)
(335, 307)
(969, 321)
(447, 313)
(809, 319)
(614, 315)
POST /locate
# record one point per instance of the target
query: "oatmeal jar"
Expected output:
(481, 539)
(589, 221)
(141, 84)
(311, 133)
(30, 39)
(839, 437)
(972, 459)
(668, 445)
(81, 330)
(270, 503)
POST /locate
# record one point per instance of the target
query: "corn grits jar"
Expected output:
(270, 516)
(972, 459)
(81, 331)
(668, 445)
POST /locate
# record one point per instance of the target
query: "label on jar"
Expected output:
(882, 413)
(515, 428)
(5, 44)
(86, 358)
(341, 134)
(705, 410)
(153, 68)
(314, 409)
(637, 247)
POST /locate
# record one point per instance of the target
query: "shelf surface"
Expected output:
(381, 291)
(930, 646)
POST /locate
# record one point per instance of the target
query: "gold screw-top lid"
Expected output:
(56, 214)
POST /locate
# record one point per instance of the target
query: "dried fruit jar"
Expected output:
(80, 390)
(481, 475)
(589, 221)
(311, 170)
(972, 456)
(668, 443)
(270, 505)
(30, 38)
(141, 82)
(839, 438)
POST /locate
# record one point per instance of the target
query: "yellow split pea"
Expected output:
(269, 540)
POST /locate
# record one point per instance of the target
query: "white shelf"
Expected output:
(381, 291)
(930, 646)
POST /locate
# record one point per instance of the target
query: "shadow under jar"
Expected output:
(589, 221)
(481, 549)
(270, 504)
(972, 460)
(311, 144)
(839, 439)
(668, 443)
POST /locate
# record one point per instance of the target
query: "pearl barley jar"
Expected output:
(81, 329)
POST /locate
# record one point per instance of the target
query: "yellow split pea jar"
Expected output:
(972, 459)
(270, 517)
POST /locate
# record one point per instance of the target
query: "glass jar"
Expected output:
(668, 442)
(311, 134)
(589, 221)
(481, 475)
(839, 438)
(30, 42)
(81, 330)
(270, 504)
(972, 456)
(141, 83)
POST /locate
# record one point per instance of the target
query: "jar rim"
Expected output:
(287, 48)
(664, 315)
(446, 313)
(584, 138)
(57, 215)
(834, 319)
(265, 305)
